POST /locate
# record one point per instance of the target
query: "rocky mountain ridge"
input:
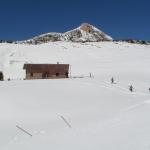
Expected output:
(84, 33)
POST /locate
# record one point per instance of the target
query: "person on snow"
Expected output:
(131, 88)
(112, 80)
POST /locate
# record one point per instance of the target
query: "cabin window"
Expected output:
(57, 74)
(31, 74)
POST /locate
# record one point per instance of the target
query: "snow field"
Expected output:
(102, 115)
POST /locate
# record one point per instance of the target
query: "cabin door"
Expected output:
(45, 75)
(66, 74)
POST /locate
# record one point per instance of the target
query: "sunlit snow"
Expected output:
(101, 115)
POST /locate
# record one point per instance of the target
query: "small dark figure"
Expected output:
(90, 75)
(131, 88)
(1, 76)
(149, 89)
(112, 80)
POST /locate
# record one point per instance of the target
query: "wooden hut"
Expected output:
(46, 71)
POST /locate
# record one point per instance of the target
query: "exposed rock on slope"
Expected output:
(86, 33)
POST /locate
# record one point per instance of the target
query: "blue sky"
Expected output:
(121, 19)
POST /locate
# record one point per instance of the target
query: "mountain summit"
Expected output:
(84, 33)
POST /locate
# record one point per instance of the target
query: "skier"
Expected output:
(149, 89)
(131, 88)
(112, 80)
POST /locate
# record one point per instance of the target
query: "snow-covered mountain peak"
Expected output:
(88, 27)
(84, 33)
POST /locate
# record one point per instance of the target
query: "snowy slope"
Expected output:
(97, 58)
(101, 115)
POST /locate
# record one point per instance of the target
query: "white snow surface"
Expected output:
(102, 115)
